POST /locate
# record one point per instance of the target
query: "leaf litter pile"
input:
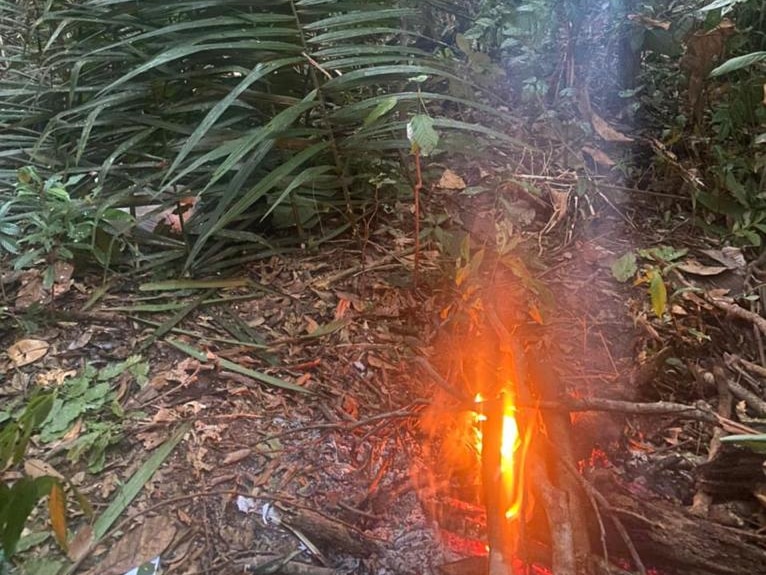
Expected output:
(273, 420)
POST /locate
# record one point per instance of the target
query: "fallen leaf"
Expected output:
(731, 257)
(27, 351)
(54, 377)
(598, 156)
(80, 543)
(696, 268)
(311, 326)
(451, 181)
(658, 293)
(676, 309)
(35, 468)
(649, 22)
(57, 514)
(237, 456)
(625, 267)
(606, 131)
(351, 406)
(342, 308)
(62, 278)
(31, 290)
(139, 546)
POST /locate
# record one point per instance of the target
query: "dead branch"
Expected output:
(740, 312)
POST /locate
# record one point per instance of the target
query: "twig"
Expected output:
(317, 65)
(348, 272)
(403, 413)
(700, 411)
(752, 400)
(601, 500)
(740, 312)
(758, 370)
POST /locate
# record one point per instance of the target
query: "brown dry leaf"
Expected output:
(606, 131)
(451, 181)
(351, 406)
(80, 543)
(598, 156)
(31, 290)
(27, 351)
(311, 326)
(378, 362)
(696, 268)
(730, 256)
(676, 309)
(342, 308)
(142, 544)
(176, 217)
(54, 377)
(196, 458)
(303, 379)
(164, 415)
(109, 483)
(62, 278)
(35, 468)
(719, 293)
(648, 22)
(151, 439)
(237, 456)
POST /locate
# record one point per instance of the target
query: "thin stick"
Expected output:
(317, 65)
(416, 193)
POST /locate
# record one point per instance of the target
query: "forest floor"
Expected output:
(289, 401)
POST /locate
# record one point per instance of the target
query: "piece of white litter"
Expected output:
(270, 515)
(246, 504)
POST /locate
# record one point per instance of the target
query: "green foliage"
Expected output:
(270, 113)
(88, 396)
(51, 415)
(733, 166)
(625, 267)
(44, 224)
(18, 500)
(421, 134)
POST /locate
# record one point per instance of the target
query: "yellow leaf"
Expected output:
(57, 512)
(658, 292)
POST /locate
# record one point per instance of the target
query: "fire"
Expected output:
(512, 451)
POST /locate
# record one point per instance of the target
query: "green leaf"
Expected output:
(380, 110)
(755, 443)
(22, 499)
(658, 293)
(625, 267)
(738, 63)
(135, 484)
(421, 134)
(236, 368)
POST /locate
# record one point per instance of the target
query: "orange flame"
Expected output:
(512, 452)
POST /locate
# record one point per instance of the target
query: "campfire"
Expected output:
(484, 427)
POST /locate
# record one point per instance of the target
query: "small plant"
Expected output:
(81, 402)
(44, 224)
(657, 263)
